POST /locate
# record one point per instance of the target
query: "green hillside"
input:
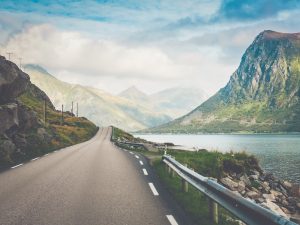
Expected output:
(261, 96)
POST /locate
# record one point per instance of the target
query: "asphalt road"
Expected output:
(86, 184)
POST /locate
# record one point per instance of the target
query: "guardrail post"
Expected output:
(185, 184)
(213, 211)
(173, 173)
(166, 167)
(169, 170)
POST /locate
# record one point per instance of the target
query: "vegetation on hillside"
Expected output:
(34, 138)
(72, 131)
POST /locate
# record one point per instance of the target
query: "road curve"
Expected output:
(87, 184)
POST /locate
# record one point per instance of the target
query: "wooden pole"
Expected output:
(77, 109)
(72, 109)
(213, 211)
(62, 114)
(45, 109)
(169, 170)
(173, 173)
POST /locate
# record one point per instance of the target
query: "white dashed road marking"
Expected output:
(153, 189)
(172, 220)
(35, 159)
(136, 156)
(131, 152)
(145, 172)
(141, 162)
(46, 154)
(17, 166)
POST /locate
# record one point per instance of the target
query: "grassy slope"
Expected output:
(210, 164)
(73, 131)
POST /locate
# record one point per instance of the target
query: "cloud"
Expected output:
(79, 59)
(254, 10)
(155, 44)
(46, 45)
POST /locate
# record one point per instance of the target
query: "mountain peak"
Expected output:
(274, 35)
(133, 93)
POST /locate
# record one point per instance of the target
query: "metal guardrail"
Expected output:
(131, 144)
(246, 210)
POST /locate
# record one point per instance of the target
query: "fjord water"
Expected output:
(277, 153)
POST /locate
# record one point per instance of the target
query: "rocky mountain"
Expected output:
(262, 95)
(130, 110)
(23, 132)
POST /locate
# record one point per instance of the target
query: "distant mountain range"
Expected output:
(130, 110)
(174, 102)
(262, 95)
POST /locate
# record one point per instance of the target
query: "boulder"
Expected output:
(287, 185)
(246, 180)
(8, 117)
(260, 200)
(253, 177)
(274, 207)
(253, 194)
(270, 197)
(13, 81)
(27, 118)
(20, 140)
(229, 183)
(254, 172)
(295, 190)
(7, 147)
(268, 177)
(275, 193)
(241, 186)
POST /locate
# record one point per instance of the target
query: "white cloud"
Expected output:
(104, 63)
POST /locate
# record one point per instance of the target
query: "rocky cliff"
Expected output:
(262, 95)
(23, 133)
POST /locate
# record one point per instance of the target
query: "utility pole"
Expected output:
(77, 109)
(45, 109)
(9, 54)
(72, 109)
(62, 115)
(20, 61)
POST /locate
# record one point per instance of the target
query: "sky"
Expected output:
(150, 44)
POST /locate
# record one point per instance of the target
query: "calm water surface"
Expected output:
(279, 154)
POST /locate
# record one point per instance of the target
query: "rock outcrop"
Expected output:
(20, 126)
(13, 81)
(283, 197)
